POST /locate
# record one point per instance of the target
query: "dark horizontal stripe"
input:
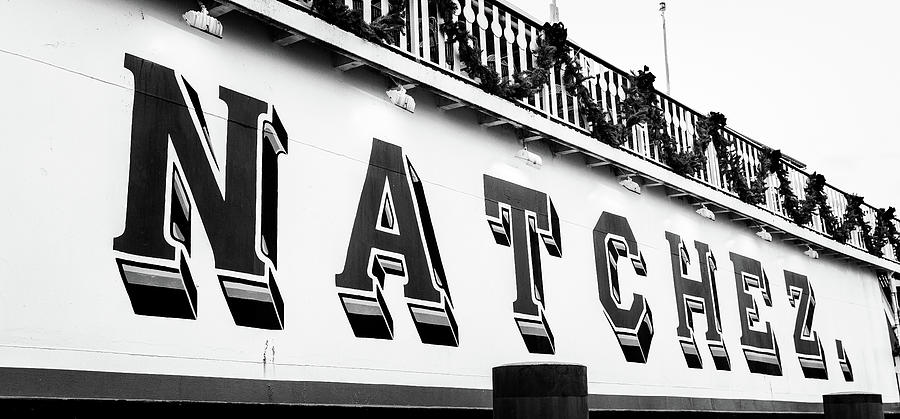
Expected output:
(697, 404)
(72, 409)
(73, 385)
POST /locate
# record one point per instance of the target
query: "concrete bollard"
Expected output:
(853, 406)
(540, 391)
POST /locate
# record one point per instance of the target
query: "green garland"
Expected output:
(759, 186)
(801, 212)
(854, 217)
(730, 162)
(883, 233)
(884, 229)
(589, 110)
(816, 199)
(873, 239)
(382, 31)
(808, 204)
(790, 203)
(641, 106)
(552, 50)
(885, 219)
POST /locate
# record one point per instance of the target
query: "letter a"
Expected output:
(393, 235)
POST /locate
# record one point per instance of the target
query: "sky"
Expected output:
(818, 79)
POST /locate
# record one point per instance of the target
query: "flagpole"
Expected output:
(662, 12)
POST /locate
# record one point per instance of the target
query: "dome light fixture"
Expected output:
(401, 99)
(763, 234)
(811, 252)
(203, 21)
(631, 185)
(706, 213)
(530, 158)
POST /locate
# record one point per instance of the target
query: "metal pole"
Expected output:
(662, 12)
(554, 12)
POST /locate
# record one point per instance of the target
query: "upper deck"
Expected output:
(508, 39)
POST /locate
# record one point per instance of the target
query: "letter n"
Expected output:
(614, 242)
(522, 218)
(175, 175)
(393, 235)
(760, 348)
(700, 296)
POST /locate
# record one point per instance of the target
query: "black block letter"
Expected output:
(760, 348)
(393, 235)
(613, 239)
(806, 341)
(697, 295)
(844, 360)
(518, 217)
(237, 203)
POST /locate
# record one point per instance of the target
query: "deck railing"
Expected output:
(507, 37)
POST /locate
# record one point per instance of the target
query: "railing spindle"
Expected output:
(483, 25)
(521, 46)
(367, 10)
(439, 41)
(509, 38)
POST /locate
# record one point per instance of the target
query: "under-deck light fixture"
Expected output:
(203, 21)
(706, 213)
(631, 185)
(530, 158)
(811, 252)
(763, 234)
(400, 98)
